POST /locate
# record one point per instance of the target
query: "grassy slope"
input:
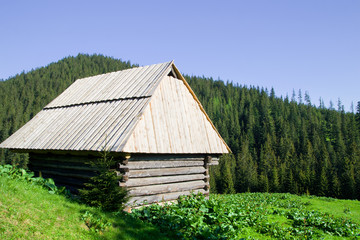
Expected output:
(337, 207)
(340, 208)
(30, 212)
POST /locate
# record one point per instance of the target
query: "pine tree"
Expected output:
(103, 189)
(335, 186)
(245, 171)
(275, 183)
(225, 182)
(348, 180)
(357, 116)
(322, 183)
(291, 185)
(214, 174)
(264, 183)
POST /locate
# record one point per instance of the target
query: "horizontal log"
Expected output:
(136, 182)
(160, 164)
(166, 188)
(161, 197)
(59, 180)
(177, 157)
(124, 179)
(213, 163)
(62, 166)
(64, 174)
(165, 172)
(62, 158)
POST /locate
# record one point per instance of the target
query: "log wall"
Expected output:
(71, 171)
(156, 178)
(150, 178)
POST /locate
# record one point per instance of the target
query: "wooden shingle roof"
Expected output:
(147, 109)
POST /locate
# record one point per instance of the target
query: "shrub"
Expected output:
(103, 190)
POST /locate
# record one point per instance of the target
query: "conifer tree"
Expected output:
(225, 182)
(264, 183)
(275, 184)
(357, 117)
(291, 185)
(335, 186)
(322, 183)
(348, 180)
(246, 170)
(103, 190)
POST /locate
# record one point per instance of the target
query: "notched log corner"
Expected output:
(208, 159)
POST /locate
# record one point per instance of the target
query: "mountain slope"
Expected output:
(279, 144)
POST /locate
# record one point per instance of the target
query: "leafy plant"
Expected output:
(280, 216)
(95, 222)
(12, 172)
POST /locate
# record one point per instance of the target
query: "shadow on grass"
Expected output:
(129, 227)
(120, 225)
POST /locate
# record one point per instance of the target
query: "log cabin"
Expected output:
(148, 119)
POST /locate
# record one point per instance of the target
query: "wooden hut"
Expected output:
(148, 118)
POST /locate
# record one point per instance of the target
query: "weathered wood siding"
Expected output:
(150, 178)
(66, 170)
(174, 123)
(156, 178)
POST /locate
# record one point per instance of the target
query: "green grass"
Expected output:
(28, 211)
(337, 207)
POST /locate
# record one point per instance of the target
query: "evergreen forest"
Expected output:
(279, 144)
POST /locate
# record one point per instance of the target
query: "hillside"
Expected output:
(279, 144)
(28, 211)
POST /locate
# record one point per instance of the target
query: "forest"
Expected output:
(279, 144)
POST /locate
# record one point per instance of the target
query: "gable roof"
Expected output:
(147, 109)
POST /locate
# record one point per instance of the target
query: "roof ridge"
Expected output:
(99, 101)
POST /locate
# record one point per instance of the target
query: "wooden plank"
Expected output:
(167, 128)
(166, 188)
(149, 129)
(62, 166)
(136, 182)
(183, 131)
(160, 164)
(64, 174)
(187, 119)
(172, 110)
(156, 116)
(169, 157)
(164, 135)
(165, 172)
(210, 140)
(161, 197)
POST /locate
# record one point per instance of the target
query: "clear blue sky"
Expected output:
(309, 45)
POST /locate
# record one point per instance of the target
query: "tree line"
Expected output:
(282, 144)
(278, 144)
